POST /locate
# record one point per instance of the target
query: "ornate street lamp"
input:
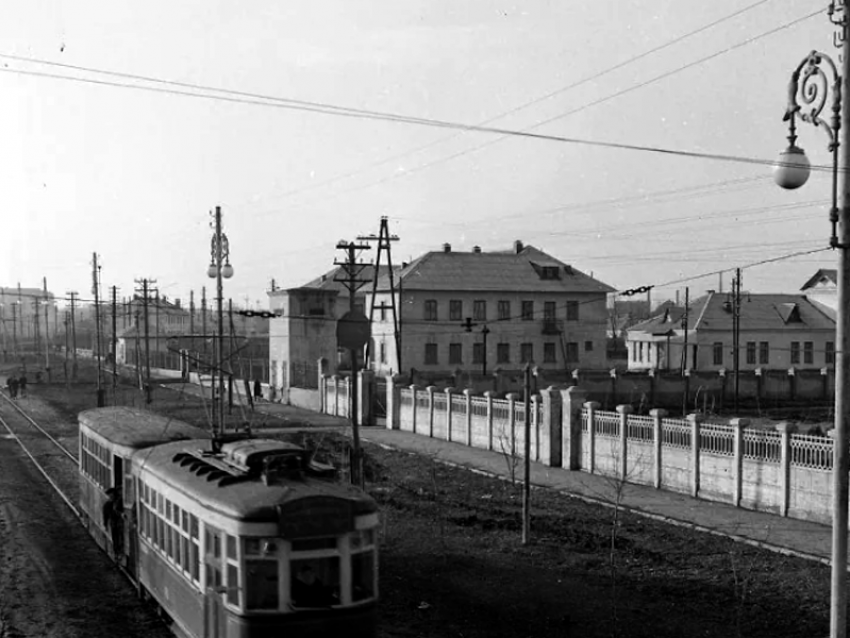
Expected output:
(219, 268)
(814, 81)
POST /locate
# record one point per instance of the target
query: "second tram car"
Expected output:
(241, 538)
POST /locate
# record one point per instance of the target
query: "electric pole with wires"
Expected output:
(353, 332)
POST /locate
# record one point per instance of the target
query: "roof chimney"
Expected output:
(518, 246)
(476, 249)
(447, 248)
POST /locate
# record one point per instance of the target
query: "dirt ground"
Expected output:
(452, 564)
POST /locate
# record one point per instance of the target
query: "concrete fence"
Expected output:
(773, 470)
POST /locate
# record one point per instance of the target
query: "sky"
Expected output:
(132, 174)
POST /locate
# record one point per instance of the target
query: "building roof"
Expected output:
(822, 276)
(525, 269)
(330, 280)
(768, 312)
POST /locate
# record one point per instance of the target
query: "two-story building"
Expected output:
(776, 331)
(479, 310)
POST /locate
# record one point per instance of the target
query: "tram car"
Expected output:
(240, 538)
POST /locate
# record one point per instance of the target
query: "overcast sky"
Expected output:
(131, 174)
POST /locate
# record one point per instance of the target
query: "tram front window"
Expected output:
(362, 576)
(261, 584)
(315, 582)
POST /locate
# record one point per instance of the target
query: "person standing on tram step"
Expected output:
(113, 520)
(22, 382)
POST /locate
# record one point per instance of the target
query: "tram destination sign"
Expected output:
(315, 516)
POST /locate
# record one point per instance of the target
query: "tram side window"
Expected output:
(362, 544)
(196, 549)
(212, 558)
(314, 581)
(261, 574)
(232, 571)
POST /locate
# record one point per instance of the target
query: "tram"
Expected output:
(241, 538)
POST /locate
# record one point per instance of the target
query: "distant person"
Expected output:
(13, 387)
(258, 389)
(22, 383)
(113, 519)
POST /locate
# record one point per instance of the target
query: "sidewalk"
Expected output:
(790, 536)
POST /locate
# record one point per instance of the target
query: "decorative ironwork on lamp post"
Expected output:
(815, 83)
(219, 268)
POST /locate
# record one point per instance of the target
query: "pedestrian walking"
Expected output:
(22, 384)
(13, 387)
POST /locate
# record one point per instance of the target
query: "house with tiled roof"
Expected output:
(776, 331)
(476, 311)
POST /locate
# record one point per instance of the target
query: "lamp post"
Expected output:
(815, 80)
(219, 268)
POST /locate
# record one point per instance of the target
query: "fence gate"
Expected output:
(379, 399)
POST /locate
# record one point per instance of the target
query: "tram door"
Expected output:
(214, 605)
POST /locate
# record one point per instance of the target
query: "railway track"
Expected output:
(53, 459)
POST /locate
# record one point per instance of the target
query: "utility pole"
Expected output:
(204, 322)
(23, 323)
(220, 269)
(73, 296)
(15, 329)
(191, 312)
(35, 315)
(46, 331)
(526, 484)
(65, 362)
(353, 269)
(736, 331)
(685, 374)
(156, 321)
(145, 296)
(95, 291)
(468, 326)
(114, 341)
(384, 240)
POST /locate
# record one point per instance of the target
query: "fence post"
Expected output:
(785, 430)
(489, 396)
(591, 407)
(511, 397)
(335, 380)
(365, 390)
(695, 420)
(572, 400)
(552, 426)
(468, 394)
(449, 392)
(535, 425)
(430, 390)
(393, 403)
(624, 412)
(413, 389)
(657, 415)
(738, 457)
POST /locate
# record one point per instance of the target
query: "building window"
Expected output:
(751, 352)
(455, 353)
(549, 310)
(829, 352)
(477, 353)
(526, 352)
(549, 353)
(572, 352)
(795, 352)
(479, 310)
(455, 310)
(572, 311)
(717, 349)
(809, 352)
(430, 310)
(504, 309)
(764, 352)
(527, 310)
(503, 353)
(431, 353)
(588, 346)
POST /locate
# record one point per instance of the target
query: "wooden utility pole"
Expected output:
(526, 484)
(46, 331)
(353, 283)
(35, 315)
(73, 296)
(145, 297)
(204, 322)
(65, 362)
(97, 345)
(685, 373)
(736, 332)
(114, 341)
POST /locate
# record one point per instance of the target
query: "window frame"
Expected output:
(455, 309)
(430, 310)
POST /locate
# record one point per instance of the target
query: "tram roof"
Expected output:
(245, 497)
(134, 428)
